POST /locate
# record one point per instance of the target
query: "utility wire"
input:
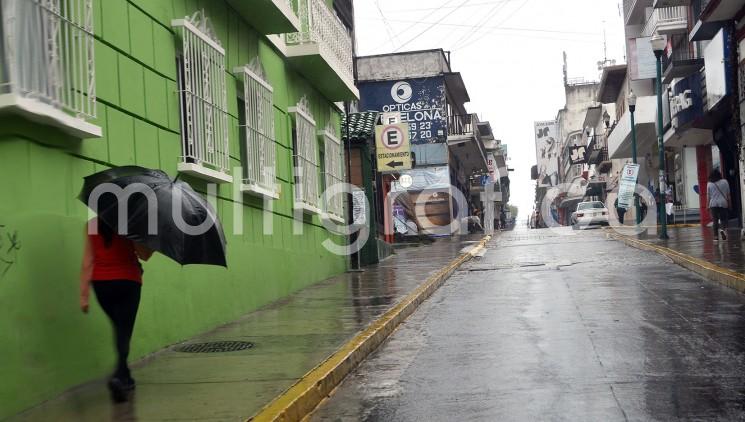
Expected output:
(410, 27)
(501, 28)
(514, 12)
(427, 28)
(494, 10)
(385, 23)
(418, 9)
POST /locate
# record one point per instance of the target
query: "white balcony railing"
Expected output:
(666, 19)
(321, 26)
(46, 58)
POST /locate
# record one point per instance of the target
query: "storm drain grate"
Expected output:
(215, 347)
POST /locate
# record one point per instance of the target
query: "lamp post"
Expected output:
(658, 46)
(632, 110)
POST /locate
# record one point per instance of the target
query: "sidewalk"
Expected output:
(698, 242)
(288, 339)
(696, 249)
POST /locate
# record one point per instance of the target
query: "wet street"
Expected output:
(556, 327)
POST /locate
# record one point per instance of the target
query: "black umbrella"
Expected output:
(163, 214)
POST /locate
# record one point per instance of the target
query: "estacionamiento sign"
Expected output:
(393, 147)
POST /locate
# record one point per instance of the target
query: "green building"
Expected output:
(238, 94)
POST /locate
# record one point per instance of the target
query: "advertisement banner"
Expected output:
(628, 185)
(421, 103)
(642, 61)
(578, 154)
(491, 166)
(547, 152)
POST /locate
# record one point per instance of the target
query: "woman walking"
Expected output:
(717, 191)
(111, 265)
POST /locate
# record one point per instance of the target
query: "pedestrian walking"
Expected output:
(502, 220)
(717, 190)
(111, 264)
(620, 211)
(669, 203)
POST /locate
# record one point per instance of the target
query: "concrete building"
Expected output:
(447, 142)
(194, 88)
(699, 94)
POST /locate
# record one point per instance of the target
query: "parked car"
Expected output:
(591, 213)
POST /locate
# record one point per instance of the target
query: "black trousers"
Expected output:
(120, 300)
(717, 214)
(621, 213)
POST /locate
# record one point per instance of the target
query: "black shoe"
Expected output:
(118, 390)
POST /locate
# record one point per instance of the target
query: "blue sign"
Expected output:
(420, 101)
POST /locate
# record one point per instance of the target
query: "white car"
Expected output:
(592, 213)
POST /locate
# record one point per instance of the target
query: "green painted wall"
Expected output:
(47, 344)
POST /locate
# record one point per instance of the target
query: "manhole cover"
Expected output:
(215, 347)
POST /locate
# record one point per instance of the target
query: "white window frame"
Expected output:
(47, 53)
(203, 98)
(305, 157)
(333, 173)
(260, 167)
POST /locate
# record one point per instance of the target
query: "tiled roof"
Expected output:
(361, 125)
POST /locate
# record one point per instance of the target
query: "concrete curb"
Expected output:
(303, 396)
(710, 271)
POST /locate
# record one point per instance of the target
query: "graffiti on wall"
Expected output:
(10, 245)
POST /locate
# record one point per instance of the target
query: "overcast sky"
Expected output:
(509, 53)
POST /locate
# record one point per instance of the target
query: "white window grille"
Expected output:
(334, 172)
(260, 150)
(306, 159)
(203, 99)
(46, 62)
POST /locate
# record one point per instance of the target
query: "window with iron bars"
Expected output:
(306, 158)
(46, 61)
(203, 100)
(258, 131)
(333, 173)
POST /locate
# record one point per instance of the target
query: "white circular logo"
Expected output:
(401, 92)
(406, 180)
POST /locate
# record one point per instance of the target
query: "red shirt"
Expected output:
(118, 261)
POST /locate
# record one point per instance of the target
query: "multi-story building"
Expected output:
(700, 129)
(446, 141)
(226, 92)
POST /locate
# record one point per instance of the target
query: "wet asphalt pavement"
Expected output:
(558, 328)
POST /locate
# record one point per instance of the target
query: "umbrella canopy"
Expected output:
(165, 215)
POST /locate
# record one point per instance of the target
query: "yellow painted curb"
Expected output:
(303, 396)
(713, 272)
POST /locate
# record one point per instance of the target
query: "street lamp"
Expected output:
(632, 110)
(658, 46)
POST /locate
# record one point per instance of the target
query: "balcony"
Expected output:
(720, 10)
(322, 51)
(268, 16)
(465, 144)
(619, 141)
(633, 11)
(666, 21)
(671, 3)
(681, 62)
(46, 64)
(462, 126)
(705, 27)
(597, 151)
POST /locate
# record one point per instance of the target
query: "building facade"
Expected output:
(238, 98)
(446, 143)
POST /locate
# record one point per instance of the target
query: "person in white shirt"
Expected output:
(719, 202)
